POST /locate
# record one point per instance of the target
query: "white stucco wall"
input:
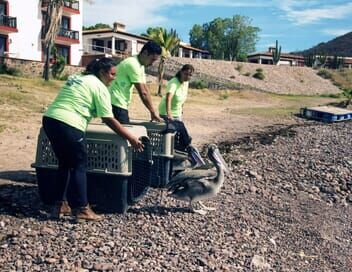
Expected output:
(76, 24)
(26, 43)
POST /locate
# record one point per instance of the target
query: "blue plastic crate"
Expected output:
(326, 114)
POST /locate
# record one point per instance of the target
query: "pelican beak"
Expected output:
(221, 160)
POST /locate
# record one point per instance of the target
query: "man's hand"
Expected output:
(155, 117)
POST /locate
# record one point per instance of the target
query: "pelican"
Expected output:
(195, 185)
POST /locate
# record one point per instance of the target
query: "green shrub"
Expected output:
(247, 74)
(224, 95)
(259, 70)
(348, 94)
(259, 75)
(199, 84)
(4, 69)
(2, 128)
(64, 77)
(338, 95)
(58, 67)
(324, 73)
(239, 67)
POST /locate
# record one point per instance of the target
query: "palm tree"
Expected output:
(169, 41)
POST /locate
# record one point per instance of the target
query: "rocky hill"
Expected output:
(237, 75)
(340, 46)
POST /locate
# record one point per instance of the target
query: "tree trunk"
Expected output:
(160, 75)
(46, 64)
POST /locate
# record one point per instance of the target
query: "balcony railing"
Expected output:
(70, 34)
(8, 21)
(72, 5)
(67, 4)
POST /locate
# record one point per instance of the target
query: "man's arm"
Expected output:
(144, 94)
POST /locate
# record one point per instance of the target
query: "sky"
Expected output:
(296, 24)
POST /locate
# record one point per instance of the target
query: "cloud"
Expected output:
(336, 32)
(308, 12)
(138, 14)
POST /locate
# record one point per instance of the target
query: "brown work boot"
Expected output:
(87, 214)
(60, 209)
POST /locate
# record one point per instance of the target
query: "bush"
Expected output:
(247, 74)
(64, 77)
(58, 67)
(4, 69)
(324, 73)
(224, 95)
(259, 75)
(259, 70)
(239, 67)
(338, 95)
(199, 84)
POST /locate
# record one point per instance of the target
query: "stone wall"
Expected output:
(34, 68)
(219, 74)
(238, 75)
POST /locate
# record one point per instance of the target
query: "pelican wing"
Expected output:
(190, 187)
(195, 174)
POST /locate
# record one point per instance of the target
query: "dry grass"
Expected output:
(25, 99)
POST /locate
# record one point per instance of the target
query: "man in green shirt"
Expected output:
(130, 73)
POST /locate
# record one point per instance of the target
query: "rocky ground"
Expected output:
(286, 206)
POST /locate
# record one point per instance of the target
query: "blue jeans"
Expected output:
(182, 136)
(121, 114)
(70, 147)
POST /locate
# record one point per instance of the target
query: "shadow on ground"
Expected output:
(19, 176)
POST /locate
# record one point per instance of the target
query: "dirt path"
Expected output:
(207, 122)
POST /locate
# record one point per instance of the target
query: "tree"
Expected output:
(230, 38)
(196, 36)
(168, 41)
(52, 20)
(96, 26)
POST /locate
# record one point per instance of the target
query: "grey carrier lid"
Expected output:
(161, 139)
(108, 152)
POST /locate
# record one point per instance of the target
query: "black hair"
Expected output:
(97, 65)
(186, 67)
(152, 48)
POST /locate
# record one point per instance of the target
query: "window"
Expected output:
(120, 45)
(2, 45)
(63, 51)
(65, 23)
(98, 45)
(3, 9)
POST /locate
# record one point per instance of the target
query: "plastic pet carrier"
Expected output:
(162, 144)
(117, 176)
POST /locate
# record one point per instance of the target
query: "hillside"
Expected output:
(238, 75)
(340, 46)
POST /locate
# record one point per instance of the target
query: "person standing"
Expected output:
(131, 73)
(83, 97)
(171, 110)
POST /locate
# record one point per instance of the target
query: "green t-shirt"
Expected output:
(129, 71)
(179, 92)
(79, 100)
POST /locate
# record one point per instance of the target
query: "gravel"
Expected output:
(286, 206)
